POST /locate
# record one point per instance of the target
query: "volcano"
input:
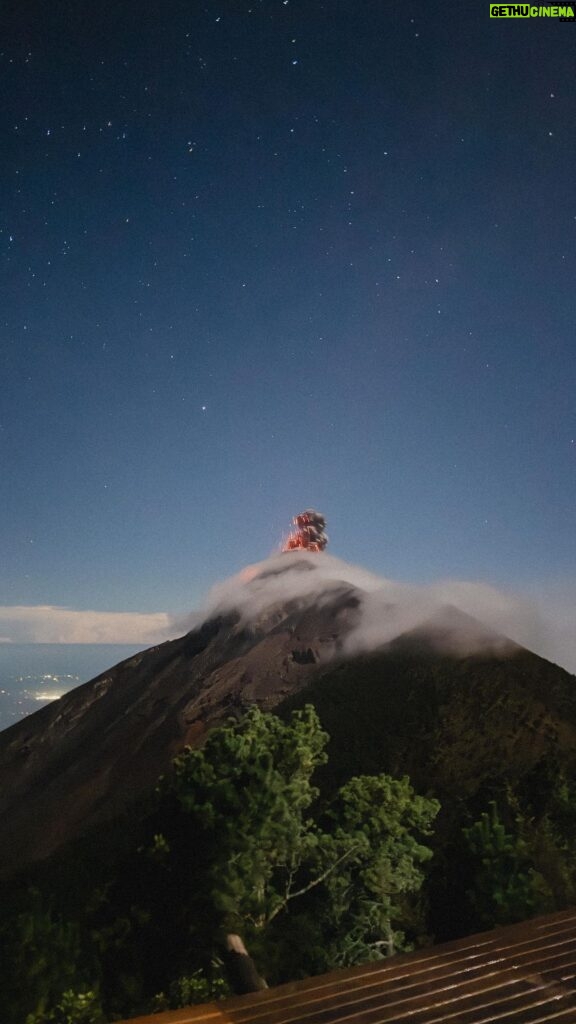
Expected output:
(445, 699)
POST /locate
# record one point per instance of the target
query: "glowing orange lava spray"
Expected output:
(309, 533)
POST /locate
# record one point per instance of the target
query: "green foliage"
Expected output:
(197, 987)
(467, 730)
(44, 963)
(73, 1008)
(239, 841)
(527, 865)
(159, 848)
(378, 822)
(545, 810)
(505, 886)
(247, 793)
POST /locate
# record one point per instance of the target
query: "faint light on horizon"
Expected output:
(48, 695)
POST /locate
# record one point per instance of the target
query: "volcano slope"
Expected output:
(85, 758)
(453, 722)
(420, 704)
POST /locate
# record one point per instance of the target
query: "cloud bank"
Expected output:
(544, 621)
(50, 624)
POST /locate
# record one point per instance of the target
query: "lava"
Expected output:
(309, 533)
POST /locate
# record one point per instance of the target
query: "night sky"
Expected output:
(259, 256)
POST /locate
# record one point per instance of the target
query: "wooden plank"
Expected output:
(523, 974)
(413, 984)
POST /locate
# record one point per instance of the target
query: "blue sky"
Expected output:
(260, 256)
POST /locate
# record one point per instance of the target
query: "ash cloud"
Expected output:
(389, 608)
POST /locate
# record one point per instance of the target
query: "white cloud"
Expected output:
(544, 621)
(50, 624)
(390, 608)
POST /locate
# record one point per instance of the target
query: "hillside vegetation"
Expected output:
(395, 800)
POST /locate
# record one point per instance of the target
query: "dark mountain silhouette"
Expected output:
(419, 705)
(84, 758)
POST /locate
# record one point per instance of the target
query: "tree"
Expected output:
(239, 841)
(259, 852)
(378, 824)
(248, 792)
(48, 975)
(505, 886)
(544, 809)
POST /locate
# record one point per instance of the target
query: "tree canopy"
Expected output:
(239, 841)
(270, 846)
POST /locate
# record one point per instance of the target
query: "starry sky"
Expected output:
(260, 255)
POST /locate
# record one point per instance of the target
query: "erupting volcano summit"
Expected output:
(309, 532)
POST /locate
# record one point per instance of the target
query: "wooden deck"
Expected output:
(523, 974)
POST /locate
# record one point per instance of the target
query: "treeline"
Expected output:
(240, 840)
